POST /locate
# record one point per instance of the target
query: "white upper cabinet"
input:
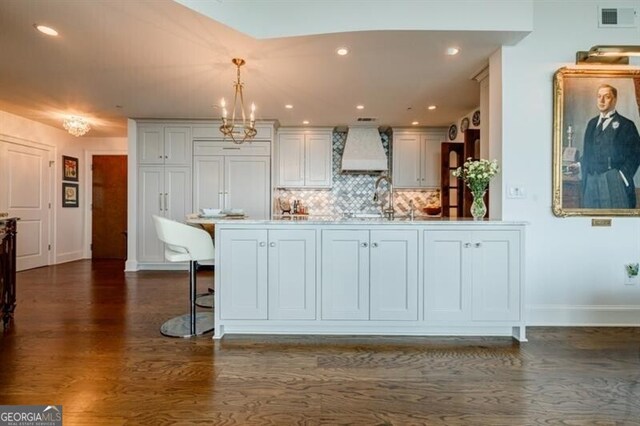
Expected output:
(304, 158)
(416, 158)
(164, 144)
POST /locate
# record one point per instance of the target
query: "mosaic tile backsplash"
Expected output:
(353, 193)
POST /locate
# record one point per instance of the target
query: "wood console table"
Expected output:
(7, 268)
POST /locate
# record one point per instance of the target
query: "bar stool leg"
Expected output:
(193, 323)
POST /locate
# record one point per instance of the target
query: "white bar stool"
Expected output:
(184, 243)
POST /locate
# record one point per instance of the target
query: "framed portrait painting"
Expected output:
(69, 168)
(596, 144)
(70, 196)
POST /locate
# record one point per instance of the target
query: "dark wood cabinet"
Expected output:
(452, 156)
(456, 197)
(8, 268)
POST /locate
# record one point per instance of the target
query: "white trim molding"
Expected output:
(583, 315)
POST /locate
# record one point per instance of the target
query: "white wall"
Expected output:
(69, 223)
(575, 272)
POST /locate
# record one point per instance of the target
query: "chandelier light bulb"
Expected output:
(75, 125)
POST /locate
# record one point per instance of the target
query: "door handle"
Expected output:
(160, 200)
(262, 244)
(230, 148)
(165, 202)
(364, 245)
(374, 245)
(477, 245)
(272, 244)
(467, 245)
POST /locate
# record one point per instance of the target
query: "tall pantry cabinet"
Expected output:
(164, 182)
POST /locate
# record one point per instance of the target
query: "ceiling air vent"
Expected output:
(366, 119)
(622, 17)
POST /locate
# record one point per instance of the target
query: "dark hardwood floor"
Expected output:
(86, 336)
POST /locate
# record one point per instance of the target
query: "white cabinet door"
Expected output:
(394, 275)
(291, 163)
(496, 275)
(247, 185)
(431, 147)
(177, 192)
(150, 202)
(407, 161)
(292, 274)
(150, 144)
(163, 191)
(345, 275)
(318, 160)
(177, 145)
(243, 273)
(208, 182)
(447, 275)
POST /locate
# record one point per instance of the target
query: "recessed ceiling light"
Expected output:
(45, 30)
(452, 51)
(415, 123)
(342, 51)
(288, 106)
(431, 107)
(305, 122)
(360, 106)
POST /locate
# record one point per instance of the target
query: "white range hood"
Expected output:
(363, 151)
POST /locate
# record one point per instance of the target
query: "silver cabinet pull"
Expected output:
(272, 244)
(467, 245)
(262, 244)
(160, 200)
(166, 205)
(477, 244)
(226, 147)
(159, 156)
(166, 156)
(374, 245)
(220, 200)
(364, 245)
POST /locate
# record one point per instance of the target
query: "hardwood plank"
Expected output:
(86, 335)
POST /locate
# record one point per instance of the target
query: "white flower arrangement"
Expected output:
(477, 174)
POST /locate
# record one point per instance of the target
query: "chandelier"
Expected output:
(238, 132)
(75, 125)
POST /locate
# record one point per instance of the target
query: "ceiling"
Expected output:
(159, 59)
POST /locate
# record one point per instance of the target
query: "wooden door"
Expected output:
(25, 182)
(109, 207)
(452, 156)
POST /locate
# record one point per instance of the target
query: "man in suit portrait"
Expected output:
(611, 156)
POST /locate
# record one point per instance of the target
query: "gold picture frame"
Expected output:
(575, 115)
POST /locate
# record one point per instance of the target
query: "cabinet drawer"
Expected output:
(230, 148)
(213, 132)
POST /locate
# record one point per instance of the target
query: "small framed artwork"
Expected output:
(70, 196)
(69, 168)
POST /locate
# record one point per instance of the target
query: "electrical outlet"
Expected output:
(630, 280)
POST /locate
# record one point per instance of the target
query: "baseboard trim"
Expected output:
(583, 315)
(69, 257)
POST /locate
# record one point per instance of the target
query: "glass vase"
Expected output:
(478, 207)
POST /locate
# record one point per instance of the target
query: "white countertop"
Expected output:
(342, 220)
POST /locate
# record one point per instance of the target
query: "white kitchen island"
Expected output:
(370, 277)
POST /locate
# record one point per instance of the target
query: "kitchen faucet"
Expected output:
(389, 211)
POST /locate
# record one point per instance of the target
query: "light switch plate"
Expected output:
(516, 191)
